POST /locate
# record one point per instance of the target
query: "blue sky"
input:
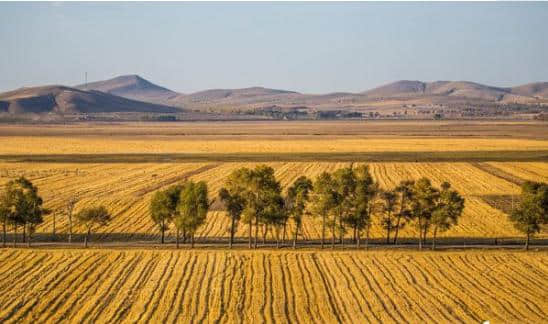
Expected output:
(307, 47)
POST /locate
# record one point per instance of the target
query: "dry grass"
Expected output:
(128, 286)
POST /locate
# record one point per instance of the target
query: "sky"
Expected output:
(306, 47)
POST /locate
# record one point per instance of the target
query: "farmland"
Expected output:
(126, 276)
(126, 286)
(122, 165)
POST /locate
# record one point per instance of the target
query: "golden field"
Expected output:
(130, 280)
(126, 188)
(212, 286)
(164, 144)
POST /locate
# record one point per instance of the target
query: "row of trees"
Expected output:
(21, 206)
(183, 205)
(347, 200)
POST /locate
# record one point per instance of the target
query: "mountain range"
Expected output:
(132, 93)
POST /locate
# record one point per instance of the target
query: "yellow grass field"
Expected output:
(212, 286)
(126, 189)
(247, 144)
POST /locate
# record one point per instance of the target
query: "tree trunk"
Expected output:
(86, 239)
(256, 231)
(367, 237)
(420, 234)
(399, 219)
(354, 238)
(388, 228)
(295, 236)
(277, 231)
(4, 233)
(163, 230)
(358, 240)
(28, 239)
(527, 241)
(231, 241)
(24, 232)
(265, 232)
(341, 232)
(323, 230)
(434, 238)
(249, 230)
(177, 238)
(284, 233)
(333, 235)
(192, 240)
(14, 235)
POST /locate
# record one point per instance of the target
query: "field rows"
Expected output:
(113, 286)
(126, 190)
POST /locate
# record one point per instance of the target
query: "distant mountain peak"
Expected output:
(131, 86)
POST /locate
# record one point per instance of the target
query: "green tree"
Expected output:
(234, 204)
(261, 191)
(71, 204)
(298, 196)
(345, 181)
(323, 199)
(449, 207)
(192, 208)
(4, 215)
(24, 206)
(90, 217)
(422, 206)
(163, 208)
(365, 201)
(389, 203)
(405, 191)
(532, 212)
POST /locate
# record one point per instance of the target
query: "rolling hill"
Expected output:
(131, 87)
(63, 99)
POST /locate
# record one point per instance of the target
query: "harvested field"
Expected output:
(127, 286)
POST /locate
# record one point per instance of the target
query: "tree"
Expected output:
(71, 203)
(323, 199)
(405, 191)
(192, 208)
(261, 191)
(423, 205)
(532, 212)
(297, 197)
(367, 191)
(345, 186)
(23, 206)
(449, 207)
(92, 216)
(233, 197)
(4, 215)
(389, 208)
(163, 208)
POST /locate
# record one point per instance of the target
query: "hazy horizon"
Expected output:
(306, 47)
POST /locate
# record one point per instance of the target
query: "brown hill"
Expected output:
(63, 99)
(132, 87)
(537, 89)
